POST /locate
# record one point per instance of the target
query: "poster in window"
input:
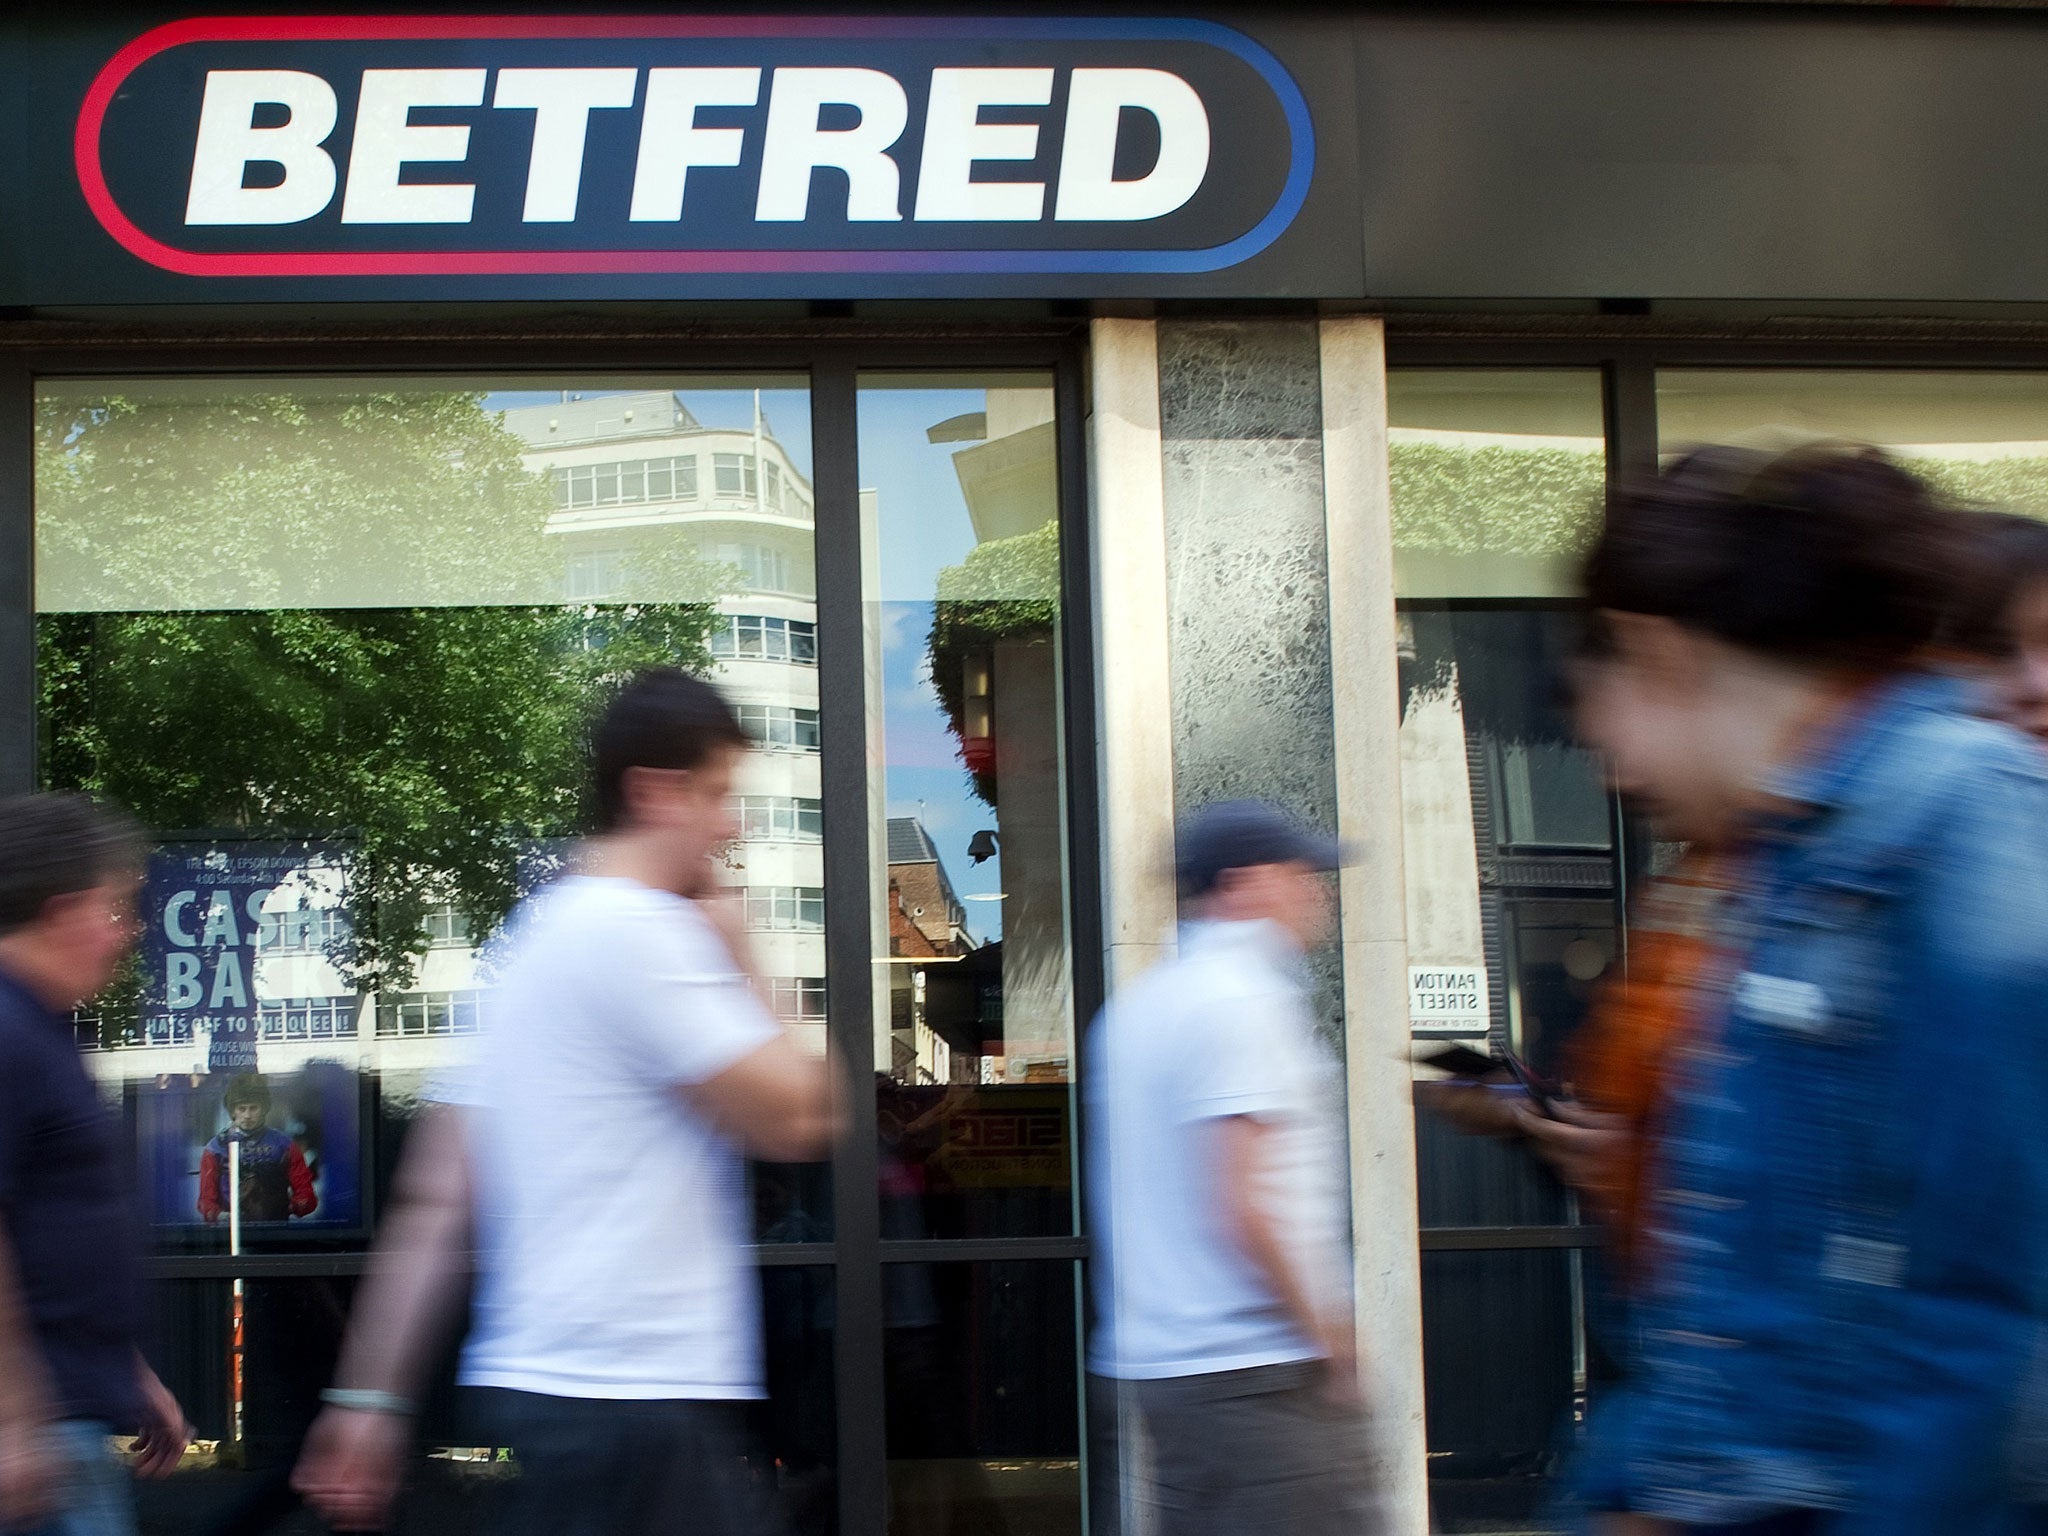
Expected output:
(236, 952)
(288, 1146)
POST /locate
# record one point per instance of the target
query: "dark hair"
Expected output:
(663, 718)
(2004, 555)
(246, 1088)
(56, 845)
(1829, 552)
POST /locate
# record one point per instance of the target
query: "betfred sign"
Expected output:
(585, 146)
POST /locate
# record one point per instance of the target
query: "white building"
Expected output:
(638, 478)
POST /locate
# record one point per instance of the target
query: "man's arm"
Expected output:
(164, 1433)
(779, 1101)
(350, 1466)
(305, 1199)
(210, 1206)
(1242, 1152)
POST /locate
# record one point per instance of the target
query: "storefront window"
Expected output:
(1981, 437)
(333, 642)
(1513, 855)
(973, 1047)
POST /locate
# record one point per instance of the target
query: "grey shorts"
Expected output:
(1226, 1453)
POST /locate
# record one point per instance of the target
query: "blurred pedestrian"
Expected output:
(71, 1371)
(2001, 617)
(1216, 1183)
(2000, 622)
(628, 1067)
(1844, 1232)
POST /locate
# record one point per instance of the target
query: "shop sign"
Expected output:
(785, 150)
(1447, 1000)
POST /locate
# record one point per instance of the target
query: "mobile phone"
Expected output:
(1461, 1061)
(1543, 1093)
(1465, 1062)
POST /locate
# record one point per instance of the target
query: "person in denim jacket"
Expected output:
(1848, 1230)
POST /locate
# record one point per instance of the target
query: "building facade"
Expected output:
(1040, 427)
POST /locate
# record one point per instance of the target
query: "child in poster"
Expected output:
(276, 1184)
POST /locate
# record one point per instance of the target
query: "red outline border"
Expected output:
(214, 29)
(330, 263)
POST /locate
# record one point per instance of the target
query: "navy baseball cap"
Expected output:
(1237, 834)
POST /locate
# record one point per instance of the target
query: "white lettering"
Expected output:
(230, 990)
(181, 981)
(955, 138)
(387, 140)
(220, 922)
(230, 142)
(561, 101)
(174, 929)
(1096, 102)
(261, 923)
(670, 140)
(796, 146)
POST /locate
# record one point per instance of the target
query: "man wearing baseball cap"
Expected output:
(1223, 1325)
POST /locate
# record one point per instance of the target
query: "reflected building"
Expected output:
(641, 486)
(933, 1011)
(646, 496)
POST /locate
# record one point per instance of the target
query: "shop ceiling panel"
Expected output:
(1652, 152)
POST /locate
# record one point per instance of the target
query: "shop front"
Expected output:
(1039, 427)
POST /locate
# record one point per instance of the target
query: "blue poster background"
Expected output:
(202, 917)
(319, 1107)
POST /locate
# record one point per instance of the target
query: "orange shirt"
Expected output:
(1621, 1059)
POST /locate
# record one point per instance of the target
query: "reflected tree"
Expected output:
(332, 615)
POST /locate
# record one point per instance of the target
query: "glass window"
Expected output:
(974, 1043)
(780, 818)
(1496, 480)
(733, 474)
(628, 483)
(780, 728)
(445, 925)
(1981, 437)
(1503, 1371)
(982, 1435)
(798, 999)
(785, 908)
(1513, 851)
(271, 614)
(748, 637)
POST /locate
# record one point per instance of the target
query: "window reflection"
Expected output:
(1980, 437)
(335, 641)
(983, 1412)
(1515, 868)
(973, 1053)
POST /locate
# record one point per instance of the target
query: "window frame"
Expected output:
(248, 344)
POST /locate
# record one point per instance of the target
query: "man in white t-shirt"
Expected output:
(594, 1160)
(1223, 1323)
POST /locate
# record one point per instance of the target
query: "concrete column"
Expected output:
(1133, 689)
(1386, 1250)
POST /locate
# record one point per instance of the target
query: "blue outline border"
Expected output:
(1293, 193)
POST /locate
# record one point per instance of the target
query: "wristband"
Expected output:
(367, 1400)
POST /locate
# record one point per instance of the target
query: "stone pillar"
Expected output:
(1134, 740)
(1386, 1257)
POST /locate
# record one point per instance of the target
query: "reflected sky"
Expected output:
(925, 528)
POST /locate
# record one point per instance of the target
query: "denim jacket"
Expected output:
(1849, 1228)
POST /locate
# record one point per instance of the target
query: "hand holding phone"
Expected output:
(1462, 1061)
